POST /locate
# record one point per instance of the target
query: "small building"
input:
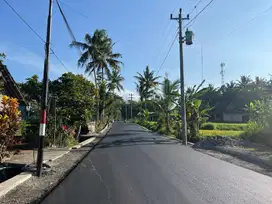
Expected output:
(9, 87)
(229, 111)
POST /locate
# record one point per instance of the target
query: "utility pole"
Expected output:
(131, 96)
(44, 101)
(182, 95)
(126, 111)
(55, 120)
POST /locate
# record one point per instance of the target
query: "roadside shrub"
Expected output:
(195, 139)
(10, 119)
(231, 126)
(208, 126)
(151, 125)
(224, 126)
(253, 131)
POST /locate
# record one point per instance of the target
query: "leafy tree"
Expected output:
(75, 97)
(32, 88)
(2, 57)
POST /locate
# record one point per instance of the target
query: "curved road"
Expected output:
(133, 166)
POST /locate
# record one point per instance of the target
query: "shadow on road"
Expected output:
(136, 141)
(135, 131)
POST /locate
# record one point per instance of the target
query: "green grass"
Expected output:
(226, 133)
(225, 126)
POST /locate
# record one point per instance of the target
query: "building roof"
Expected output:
(10, 87)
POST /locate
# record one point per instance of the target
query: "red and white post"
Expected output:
(44, 92)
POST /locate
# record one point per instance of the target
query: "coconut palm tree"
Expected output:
(97, 54)
(244, 81)
(146, 84)
(167, 100)
(259, 83)
(115, 79)
(98, 57)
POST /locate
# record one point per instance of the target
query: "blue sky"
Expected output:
(140, 28)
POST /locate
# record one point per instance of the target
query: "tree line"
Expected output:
(159, 101)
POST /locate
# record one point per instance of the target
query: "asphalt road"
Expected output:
(133, 166)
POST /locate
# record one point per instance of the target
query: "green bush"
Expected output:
(253, 131)
(195, 139)
(151, 125)
(225, 126)
(208, 126)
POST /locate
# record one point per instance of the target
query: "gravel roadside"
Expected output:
(35, 189)
(257, 167)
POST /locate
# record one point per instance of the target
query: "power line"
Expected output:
(165, 35)
(198, 14)
(66, 22)
(76, 11)
(24, 21)
(168, 52)
(252, 19)
(195, 7)
(27, 24)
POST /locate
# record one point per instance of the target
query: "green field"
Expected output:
(226, 133)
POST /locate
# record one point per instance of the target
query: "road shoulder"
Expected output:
(37, 188)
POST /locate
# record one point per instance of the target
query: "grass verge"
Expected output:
(226, 133)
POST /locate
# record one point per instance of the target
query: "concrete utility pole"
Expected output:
(126, 111)
(131, 96)
(182, 95)
(44, 101)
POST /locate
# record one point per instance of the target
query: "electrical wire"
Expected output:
(165, 35)
(76, 11)
(198, 14)
(66, 23)
(27, 24)
(252, 19)
(167, 54)
(195, 7)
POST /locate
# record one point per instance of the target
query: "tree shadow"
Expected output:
(119, 134)
(136, 141)
(136, 131)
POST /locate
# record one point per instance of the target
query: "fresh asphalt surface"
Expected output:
(133, 166)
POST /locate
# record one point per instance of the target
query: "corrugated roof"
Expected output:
(10, 86)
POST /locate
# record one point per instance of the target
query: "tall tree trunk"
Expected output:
(97, 97)
(103, 112)
(167, 123)
(145, 103)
